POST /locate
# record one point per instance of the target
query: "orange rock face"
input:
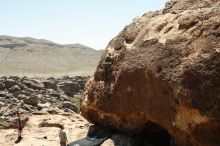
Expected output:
(166, 70)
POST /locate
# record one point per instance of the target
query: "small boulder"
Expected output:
(50, 84)
(31, 100)
(119, 140)
(69, 87)
(2, 86)
(33, 84)
(10, 83)
(43, 105)
(69, 105)
(11, 124)
(14, 89)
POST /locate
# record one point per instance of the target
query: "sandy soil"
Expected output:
(33, 135)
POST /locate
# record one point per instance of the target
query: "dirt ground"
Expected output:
(34, 135)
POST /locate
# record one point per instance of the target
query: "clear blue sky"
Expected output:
(90, 22)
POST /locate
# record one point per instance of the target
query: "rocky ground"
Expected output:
(38, 96)
(44, 104)
(42, 130)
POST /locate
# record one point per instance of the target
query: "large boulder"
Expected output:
(166, 71)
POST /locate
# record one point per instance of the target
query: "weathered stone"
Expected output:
(69, 88)
(168, 75)
(50, 84)
(32, 100)
(33, 84)
(14, 89)
(12, 123)
(21, 97)
(9, 95)
(55, 94)
(2, 86)
(45, 105)
(10, 83)
(64, 98)
(69, 105)
(120, 140)
(2, 103)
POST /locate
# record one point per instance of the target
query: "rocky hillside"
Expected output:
(164, 79)
(32, 57)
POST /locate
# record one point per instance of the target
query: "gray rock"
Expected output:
(69, 88)
(27, 91)
(14, 89)
(2, 99)
(3, 93)
(50, 84)
(2, 103)
(43, 105)
(10, 83)
(15, 100)
(64, 97)
(9, 96)
(33, 84)
(55, 95)
(2, 86)
(119, 140)
(21, 97)
(69, 105)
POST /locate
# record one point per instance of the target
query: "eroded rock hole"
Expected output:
(155, 135)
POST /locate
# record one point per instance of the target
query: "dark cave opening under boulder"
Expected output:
(155, 135)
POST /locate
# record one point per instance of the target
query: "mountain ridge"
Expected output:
(30, 56)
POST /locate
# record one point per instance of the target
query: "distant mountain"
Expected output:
(38, 57)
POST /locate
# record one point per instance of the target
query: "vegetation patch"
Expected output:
(76, 101)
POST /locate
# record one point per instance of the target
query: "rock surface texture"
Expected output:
(165, 70)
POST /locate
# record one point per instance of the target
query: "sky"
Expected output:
(90, 22)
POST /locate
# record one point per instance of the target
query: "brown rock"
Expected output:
(69, 105)
(11, 124)
(31, 100)
(169, 75)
